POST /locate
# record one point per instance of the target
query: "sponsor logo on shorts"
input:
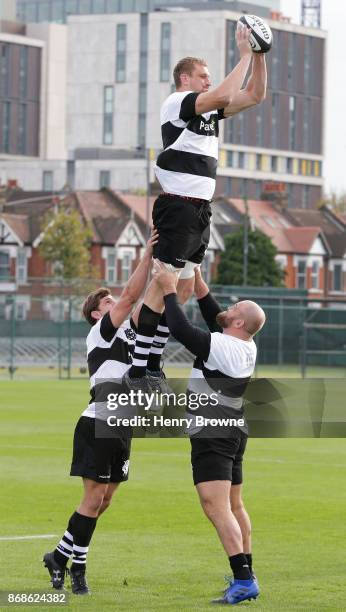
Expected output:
(125, 467)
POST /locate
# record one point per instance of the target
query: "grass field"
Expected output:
(154, 537)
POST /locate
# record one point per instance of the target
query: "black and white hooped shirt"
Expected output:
(109, 354)
(187, 165)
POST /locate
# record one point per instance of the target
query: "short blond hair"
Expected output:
(187, 65)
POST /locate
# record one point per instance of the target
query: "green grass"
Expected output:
(262, 371)
(155, 535)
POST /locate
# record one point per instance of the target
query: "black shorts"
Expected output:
(184, 229)
(100, 459)
(218, 459)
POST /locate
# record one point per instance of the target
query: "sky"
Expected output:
(333, 18)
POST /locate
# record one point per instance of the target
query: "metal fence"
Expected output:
(51, 342)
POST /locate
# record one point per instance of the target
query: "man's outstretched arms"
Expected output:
(207, 304)
(135, 285)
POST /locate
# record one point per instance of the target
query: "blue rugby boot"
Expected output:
(239, 590)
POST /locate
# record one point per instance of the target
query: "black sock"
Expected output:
(147, 324)
(63, 551)
(83, 529)
(249, 561)
(239, 567)
(158, 345)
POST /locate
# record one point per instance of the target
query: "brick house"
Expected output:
(311, 244)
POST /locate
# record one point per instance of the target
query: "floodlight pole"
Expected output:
(245, 242)
(148, 159)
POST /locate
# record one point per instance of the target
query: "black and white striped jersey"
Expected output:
(224, 364)
(187, 165)
(226, 372)
(109, 353)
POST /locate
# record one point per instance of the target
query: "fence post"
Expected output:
(304, 349)
(13, 335)
(280, 333)
(69, 338)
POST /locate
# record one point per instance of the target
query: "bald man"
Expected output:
(225, 361)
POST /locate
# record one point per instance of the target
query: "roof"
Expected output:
(19, 225)
(25, 216)
(106, 212)
(139, 204)
(302, 238)
(331, 225)
(265, 217)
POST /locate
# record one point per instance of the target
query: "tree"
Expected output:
(66, 244)
(337, 201)
(263, 270)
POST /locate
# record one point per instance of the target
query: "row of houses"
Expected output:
(311, 244)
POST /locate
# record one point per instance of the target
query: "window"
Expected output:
(231, 46)
(307, 62)
(22, 129)
(274, 163)
(292, 45)
(120, 69)
(315, 275)
(230, 160)
(292, 122)
(84, 7)
(4, 70)
(289, 165)
(258, 161)
(275, 119)
(43, 11)
(301, 274)
(58, 11)
(20, 311)
(317, 168)
(275, 69)
(259, 130)
(241, 159)
(306, 123)
(21, 266)
(105, 178)
(6, 119)
(23, 71)
(111, 267)
(71, 7)
(31, 12)
(98, 6)
(4, 265)
(47, 180)
(337, 277)
(165, 52)
(126, 266)
(108, 115)
(306, 194)
(113, 6)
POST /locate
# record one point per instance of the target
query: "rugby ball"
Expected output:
(261, 37)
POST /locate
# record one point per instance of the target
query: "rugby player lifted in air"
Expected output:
(225, 361)
(186, 170)
(102, 463)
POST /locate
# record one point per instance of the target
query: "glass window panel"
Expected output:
(43, 11)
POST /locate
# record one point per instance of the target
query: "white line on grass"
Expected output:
(29, 537)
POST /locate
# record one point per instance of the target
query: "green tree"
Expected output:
(263, 270)
(337, 201)
(66, 244)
